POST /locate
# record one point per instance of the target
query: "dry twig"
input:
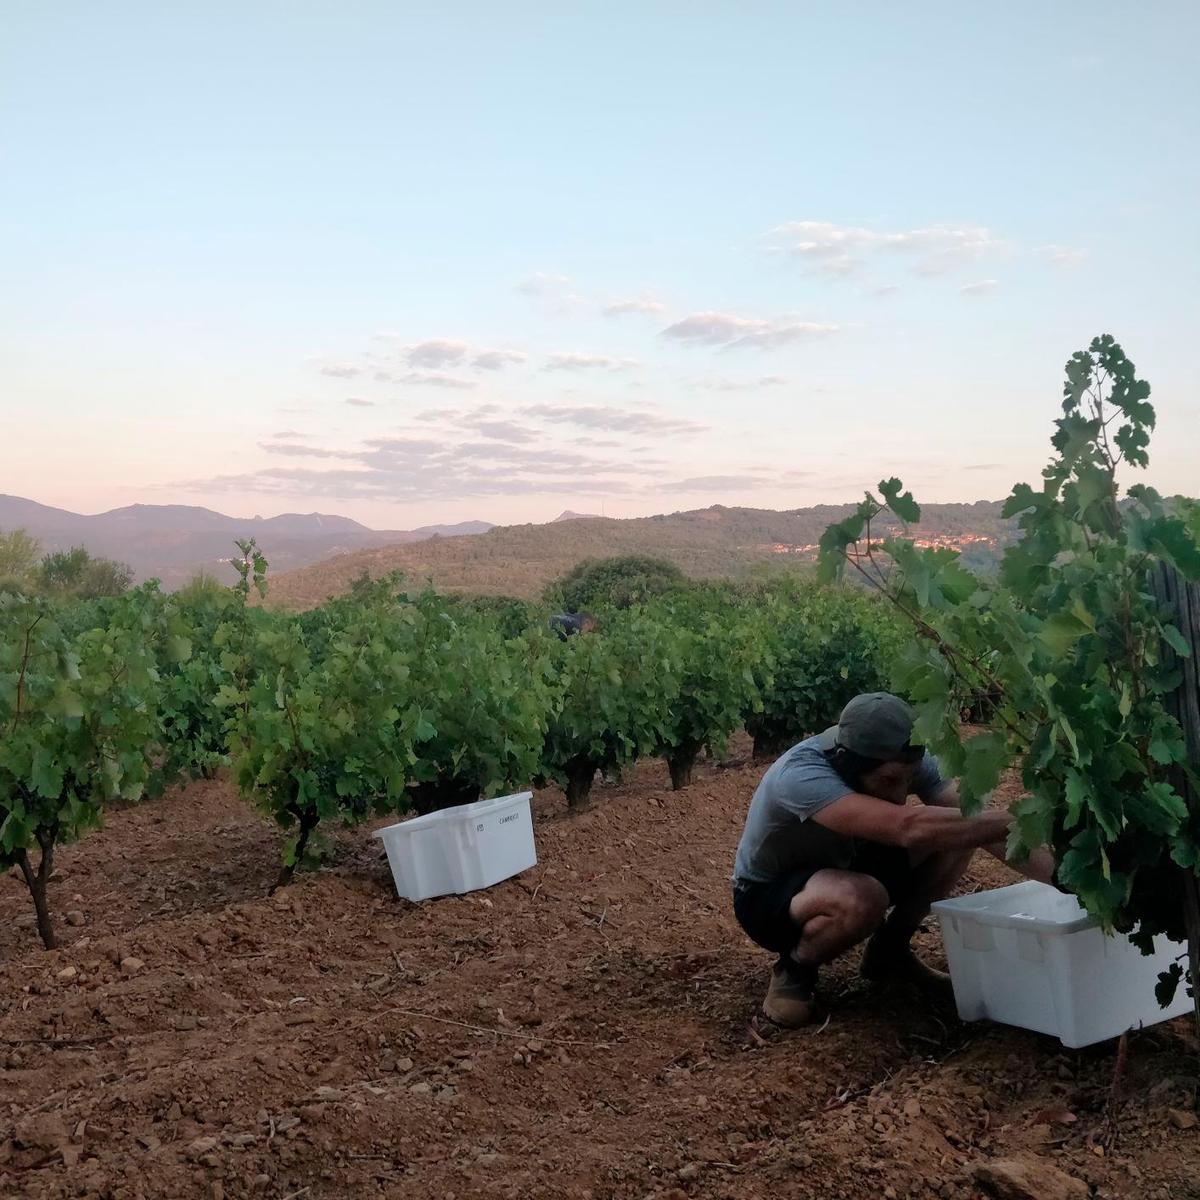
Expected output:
(490, 1031)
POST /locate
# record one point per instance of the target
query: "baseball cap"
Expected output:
(877, 725)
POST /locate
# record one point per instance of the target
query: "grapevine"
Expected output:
(1072, 647)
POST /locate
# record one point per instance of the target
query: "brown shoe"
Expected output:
(883, 962)
(789, 1001)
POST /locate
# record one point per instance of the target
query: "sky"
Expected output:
(416, 262)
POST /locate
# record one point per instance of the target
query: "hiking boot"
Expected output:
(789, 1001)
(885, 962)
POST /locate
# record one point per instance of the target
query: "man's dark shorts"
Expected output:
(762, 908)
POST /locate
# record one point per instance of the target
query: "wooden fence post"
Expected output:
(1181, 602)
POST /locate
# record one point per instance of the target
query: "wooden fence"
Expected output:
(1182, 603)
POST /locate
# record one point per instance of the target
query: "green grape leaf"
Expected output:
(1061, 631)
(1170, 538)
(985, 756)
(1022, 499)
(179, 648)
(1167, 985)
(1158, 807)
(1176, 641)
(1165, 752)
(1076, 799)
(901, 503)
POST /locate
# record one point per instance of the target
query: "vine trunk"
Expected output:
(681, 762)
(36, 882)
(580, 772)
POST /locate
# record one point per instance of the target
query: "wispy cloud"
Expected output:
(716, 483)
(542, 283)
(436, 353)
(979, 287)
(553, 293)
(887, 289)
(418, 468)
(729, 329)
(742, 385)
(512, 425)
(436, 379)
(747, 480)
(458, 415)
(636, 304)
(495, 360)
(341, 370)
(482, 453)
(571, 361)
(401, 486)
(297, 451)
(1062, 256)
(505, 431)
(612, 419)
(356, 402)
(840, 250)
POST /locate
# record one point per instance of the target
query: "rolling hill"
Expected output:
(519, 560)
(171, 542)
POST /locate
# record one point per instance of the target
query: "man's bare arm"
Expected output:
(916, 827)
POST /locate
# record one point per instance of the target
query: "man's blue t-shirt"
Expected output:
(779, 837)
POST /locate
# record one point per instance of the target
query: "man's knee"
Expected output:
(864, 904)
(857, 903)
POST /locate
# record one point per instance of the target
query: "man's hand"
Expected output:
(1040, 863)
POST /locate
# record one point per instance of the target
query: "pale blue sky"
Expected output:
(842, 241)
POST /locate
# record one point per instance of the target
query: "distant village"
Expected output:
(949, 541)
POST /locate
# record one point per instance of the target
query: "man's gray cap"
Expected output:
(875, 725)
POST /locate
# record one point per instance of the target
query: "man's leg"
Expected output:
(835, 910)
(832, 912)
(889, 953)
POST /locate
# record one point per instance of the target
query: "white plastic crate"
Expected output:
(1029, 955)
(461, 849)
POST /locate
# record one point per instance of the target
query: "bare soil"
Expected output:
(584, 1032)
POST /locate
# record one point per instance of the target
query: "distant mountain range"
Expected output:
(716, 542)
(315, 555)
(172, 542)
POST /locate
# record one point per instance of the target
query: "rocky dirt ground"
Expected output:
(584, 1031)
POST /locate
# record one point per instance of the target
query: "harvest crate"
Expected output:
(461, 849)
(1028, 955)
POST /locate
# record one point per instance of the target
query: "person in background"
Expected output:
(833, 855)
(568, 624)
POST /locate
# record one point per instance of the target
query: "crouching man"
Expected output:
(832, 855)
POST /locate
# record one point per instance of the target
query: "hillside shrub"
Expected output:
(202, 587)
(78, 573)
(618, 582)
(19, 555)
